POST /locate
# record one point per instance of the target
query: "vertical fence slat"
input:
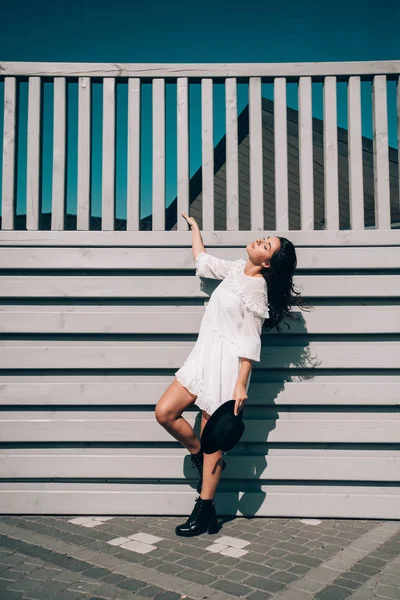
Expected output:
(183, 151)
(398, 131)
(381, 153)
(281, 156)
(108, 164)
(256, 155)
(159, 154)
(9, 136)
(83, 206)
(59, 145)
(356, 184)
(331, 173)
(133, 174)
(207, 147)
(33, 154)
(232, 159)
(306, 154)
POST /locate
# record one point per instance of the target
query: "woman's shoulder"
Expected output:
(252, 291)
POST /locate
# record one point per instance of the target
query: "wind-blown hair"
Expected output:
(281, 292)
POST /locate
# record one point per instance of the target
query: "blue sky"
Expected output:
(171, 31)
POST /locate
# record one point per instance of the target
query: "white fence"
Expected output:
(379, 73)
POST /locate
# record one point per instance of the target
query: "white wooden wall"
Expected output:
(93, 324)
(85, 355)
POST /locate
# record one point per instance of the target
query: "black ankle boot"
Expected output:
(203, 517)
(197, 461)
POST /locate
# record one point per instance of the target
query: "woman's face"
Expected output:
(262, 249)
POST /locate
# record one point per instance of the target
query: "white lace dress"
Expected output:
(230, 329)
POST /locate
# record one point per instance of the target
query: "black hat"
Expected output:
(223, 429)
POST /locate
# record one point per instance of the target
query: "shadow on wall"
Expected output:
(240, 482)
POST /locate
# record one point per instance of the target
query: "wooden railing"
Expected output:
(378, 73)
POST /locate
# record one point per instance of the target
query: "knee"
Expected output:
(162, 414)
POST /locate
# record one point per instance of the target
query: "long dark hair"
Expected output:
(281, 292)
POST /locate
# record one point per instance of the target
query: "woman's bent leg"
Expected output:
(168, 411)
(212, 468)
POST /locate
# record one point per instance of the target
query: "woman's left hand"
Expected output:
(240, 397)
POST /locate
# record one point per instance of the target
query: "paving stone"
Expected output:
(262, 583)
(114, 578)
(258, 596)
(171, 569)
(347, 583)
(151, 591)
(83, 586)
(96, 572)
(6, 595)
(233, 588)
(333, 592)
(255, 568)
(283, 577)
(387, 592)
(43, 574)
(198, 576)
(27, 585)
(168, 596)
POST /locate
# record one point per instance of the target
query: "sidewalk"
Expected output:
(91, 558)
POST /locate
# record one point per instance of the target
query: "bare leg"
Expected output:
(212, 468)
(169, 408)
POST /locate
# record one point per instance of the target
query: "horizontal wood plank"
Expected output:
(181, 319)
(211, 239)
(198, 70)
(323, 501)
(104, 354)
(172, 463)
(178, 258)
(53, 286)
(267, 425)
(337, 390)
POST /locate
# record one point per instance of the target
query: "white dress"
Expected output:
(230, 329)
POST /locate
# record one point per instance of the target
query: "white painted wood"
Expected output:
(256, 155)
(178, 258)
(211, 239)
(8, 199)
(339, 390)
(84, 148)
(104, 354)
(97, 319)
(282, 464)
(33, 154)
(108, 162)
(331, 175)
(92, 390)
(398, 126)
(306, 172)
(355, 156)
(207, 148)
(281, 155)
(186, 320)
(59, 157)
(199, 70)
(183, 151)
(158, 205)
(232, 160)
(324, 501)
(133, 172)
(138, 427)
(381, 156)
(314, 287)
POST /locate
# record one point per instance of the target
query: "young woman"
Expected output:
(219, 365)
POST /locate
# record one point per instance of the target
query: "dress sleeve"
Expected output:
(208, 265)
(250, 335)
